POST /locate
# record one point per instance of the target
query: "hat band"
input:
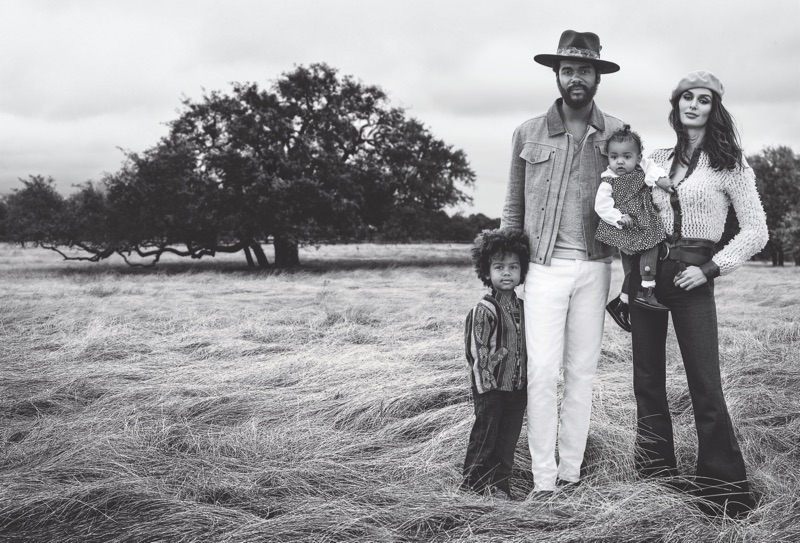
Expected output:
(575, 52)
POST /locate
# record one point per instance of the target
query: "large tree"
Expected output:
(777, 172)
(318, 158)
(315, 158)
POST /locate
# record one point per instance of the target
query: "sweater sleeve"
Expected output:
(604, 205)
(652, 171)
(484, 348)
(740, 188)
(514, 207)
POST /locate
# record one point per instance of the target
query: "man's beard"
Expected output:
(588, 94)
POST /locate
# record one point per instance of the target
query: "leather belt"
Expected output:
(689, 251)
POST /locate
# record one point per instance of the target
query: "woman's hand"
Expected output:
(665, 183)
(691, 277)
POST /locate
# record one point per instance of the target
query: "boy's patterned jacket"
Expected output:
(494, 338)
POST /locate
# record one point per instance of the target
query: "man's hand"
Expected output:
(625, 222)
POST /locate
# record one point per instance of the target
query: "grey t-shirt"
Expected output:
(570, 241)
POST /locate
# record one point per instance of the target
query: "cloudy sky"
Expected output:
(83, 78)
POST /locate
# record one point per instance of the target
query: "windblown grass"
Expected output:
(202, 401)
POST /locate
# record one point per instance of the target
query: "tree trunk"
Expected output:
(797, 258)
(777, 257)
(249, 257)
(286, 253)
(260, 256)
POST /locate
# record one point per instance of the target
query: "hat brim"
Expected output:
(603, 66)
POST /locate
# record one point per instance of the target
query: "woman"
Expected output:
(708, 173)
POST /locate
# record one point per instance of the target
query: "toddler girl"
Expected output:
(629, 220)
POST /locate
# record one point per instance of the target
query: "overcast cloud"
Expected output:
(83, 78)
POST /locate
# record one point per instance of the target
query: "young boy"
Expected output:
(495, 348)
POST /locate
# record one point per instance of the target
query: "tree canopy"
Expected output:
(34, 214)
(777, 171)
(315, 158)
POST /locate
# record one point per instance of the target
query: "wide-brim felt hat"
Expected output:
(578, 46)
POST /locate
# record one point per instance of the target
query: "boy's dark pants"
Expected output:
(490, 452)
(720, 473)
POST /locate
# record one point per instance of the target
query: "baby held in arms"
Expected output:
(629, 220)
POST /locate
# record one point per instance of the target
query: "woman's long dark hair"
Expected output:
(721, 141)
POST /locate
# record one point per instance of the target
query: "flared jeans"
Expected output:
(720, 473)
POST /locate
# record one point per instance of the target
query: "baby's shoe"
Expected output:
(647, 298)
(620, 313)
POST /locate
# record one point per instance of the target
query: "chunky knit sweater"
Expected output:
(704, 197)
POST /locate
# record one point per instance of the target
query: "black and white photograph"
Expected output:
(399, 271)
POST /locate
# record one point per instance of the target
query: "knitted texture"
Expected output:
(705, 196)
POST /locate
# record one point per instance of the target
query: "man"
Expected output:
(555, 172)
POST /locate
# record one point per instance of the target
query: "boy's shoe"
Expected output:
(619, 311)
(499, 494)
(647, 298)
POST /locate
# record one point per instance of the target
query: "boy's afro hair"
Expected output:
(499, 241)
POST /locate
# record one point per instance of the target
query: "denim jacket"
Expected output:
(537, 184)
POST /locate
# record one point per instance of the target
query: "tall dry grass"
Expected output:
(201, 401)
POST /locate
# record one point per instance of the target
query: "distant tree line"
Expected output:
(316, 158)
(777, 172)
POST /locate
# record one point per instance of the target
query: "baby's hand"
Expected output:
(625, 222)
(665, 183)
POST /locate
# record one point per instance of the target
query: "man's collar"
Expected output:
(555, 124)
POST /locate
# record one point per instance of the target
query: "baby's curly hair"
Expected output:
(499, 242)
(624, 135)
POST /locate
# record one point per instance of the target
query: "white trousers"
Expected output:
(564, 315)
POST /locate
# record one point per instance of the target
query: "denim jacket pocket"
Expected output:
(601, 155)
(539, 164)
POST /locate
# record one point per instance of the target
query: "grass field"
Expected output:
(202, 401)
